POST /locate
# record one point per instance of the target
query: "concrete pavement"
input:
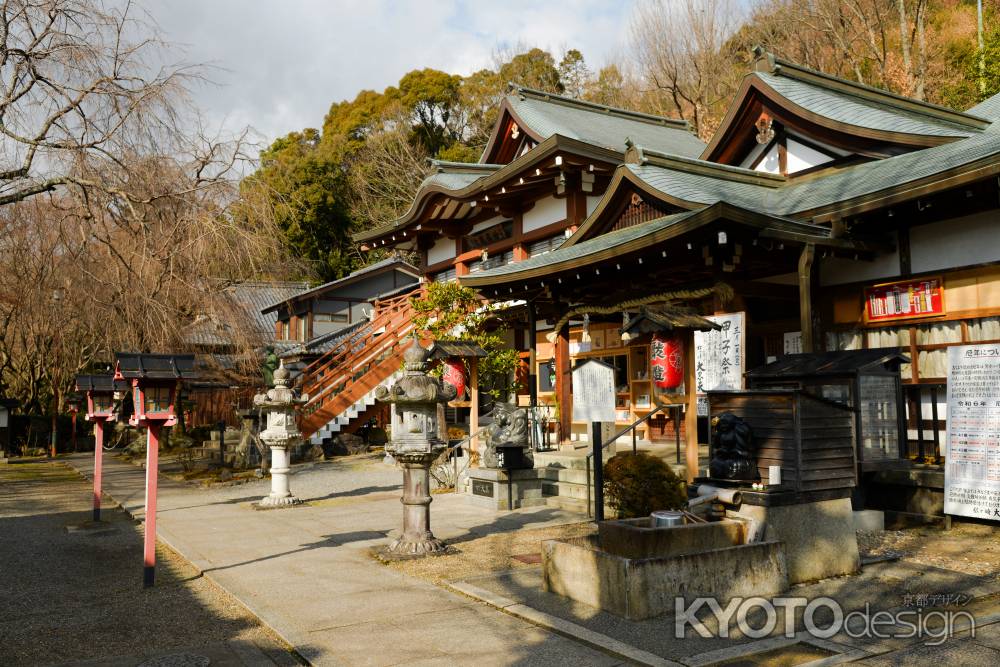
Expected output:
(307, 573)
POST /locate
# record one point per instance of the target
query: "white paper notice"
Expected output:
(594, 392)
(972, 449)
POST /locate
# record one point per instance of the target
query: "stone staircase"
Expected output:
(564, 478)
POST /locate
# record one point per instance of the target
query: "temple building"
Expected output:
(824, 215)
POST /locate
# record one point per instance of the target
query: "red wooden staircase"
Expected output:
(341, 383)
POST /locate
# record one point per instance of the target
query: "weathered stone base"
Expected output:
(819, 537)
(403, 549)
(272, 503)
(648, 585)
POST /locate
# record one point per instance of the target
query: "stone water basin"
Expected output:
(636, 570)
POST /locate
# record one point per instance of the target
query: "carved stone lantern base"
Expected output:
(417, 539)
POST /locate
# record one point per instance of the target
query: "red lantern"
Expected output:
(454, 374)
(666, 361)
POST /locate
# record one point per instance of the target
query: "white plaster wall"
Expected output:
(478, 227)
(443, 248)
(974, 239)
(838, 271)
(592, 203)
(544, 212)
(802, 157)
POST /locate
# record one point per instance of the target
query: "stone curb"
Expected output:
(563, 627)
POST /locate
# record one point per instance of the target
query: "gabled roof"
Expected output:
(542, 115)
(323, 344)
(256, 295)
(490, 176)
(840, 106)
(384, 266)
(693, 184)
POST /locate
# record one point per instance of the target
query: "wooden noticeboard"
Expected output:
(972, 450)
(904, 300)
(594, 392)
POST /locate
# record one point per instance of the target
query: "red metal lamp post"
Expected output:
(103, 396)
(155, 382)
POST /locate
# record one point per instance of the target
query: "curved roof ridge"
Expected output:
(516, 89)
(451, 167)
(767, 62)
(642, 156)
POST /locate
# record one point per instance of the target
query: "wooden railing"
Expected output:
(340, 378)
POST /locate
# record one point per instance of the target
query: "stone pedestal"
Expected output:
(417, 539)
(281, 495)
(819, 536)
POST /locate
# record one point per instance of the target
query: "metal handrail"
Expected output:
(631, 427)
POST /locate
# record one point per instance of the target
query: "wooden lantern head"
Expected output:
(155, 381)
(100, 393)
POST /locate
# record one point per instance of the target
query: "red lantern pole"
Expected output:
(98, 462)
(149, 537)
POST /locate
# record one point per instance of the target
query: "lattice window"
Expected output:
(639, 211)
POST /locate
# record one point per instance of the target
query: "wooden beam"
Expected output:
(474, 403)
(563, 379)
(690, 410)
(806, 260)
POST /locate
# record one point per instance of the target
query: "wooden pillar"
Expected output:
(474, 403)
(690, 410)
(563, 379)
(806, 260)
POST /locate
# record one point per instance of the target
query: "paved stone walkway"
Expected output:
(307, 573)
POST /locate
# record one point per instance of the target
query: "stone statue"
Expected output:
(733, 449)
(509, 429)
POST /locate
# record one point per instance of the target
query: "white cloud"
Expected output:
(281, 64)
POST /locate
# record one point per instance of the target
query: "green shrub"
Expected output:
(638, 484)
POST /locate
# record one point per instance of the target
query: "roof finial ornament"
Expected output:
(763, 59)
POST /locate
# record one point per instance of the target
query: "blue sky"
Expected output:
(279, 64)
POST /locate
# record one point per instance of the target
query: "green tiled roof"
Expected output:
(602, 126)
(988, 108)
(855, 110)
(807, 194)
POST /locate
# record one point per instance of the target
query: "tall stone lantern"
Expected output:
(414, 444)
(279, 404)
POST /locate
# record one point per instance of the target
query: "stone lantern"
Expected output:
(279, 404)
(415, 445)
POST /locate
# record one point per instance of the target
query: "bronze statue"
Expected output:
(733, 449)
(509, 429)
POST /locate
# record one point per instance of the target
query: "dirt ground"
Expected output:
(970, 548)
(490, 554)
(71, 594)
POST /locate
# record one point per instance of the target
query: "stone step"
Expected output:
(570, 475)
(576, 459)
(566, 490)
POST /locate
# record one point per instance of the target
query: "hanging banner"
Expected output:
(972, 446)
(904, 300)
(719, 357)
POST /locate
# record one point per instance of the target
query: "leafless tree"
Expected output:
(679, 47)
(115, 225)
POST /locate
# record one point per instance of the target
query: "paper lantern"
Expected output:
(454, 374)
(666, 360)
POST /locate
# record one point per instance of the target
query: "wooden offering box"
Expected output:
(811, 438)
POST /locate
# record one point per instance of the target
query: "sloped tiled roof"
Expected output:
(841, 185)
(255, 296)
(353, 277)
(988, 108)
(854, 110)
(547, 114)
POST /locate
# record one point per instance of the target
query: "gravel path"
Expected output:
(72, 594)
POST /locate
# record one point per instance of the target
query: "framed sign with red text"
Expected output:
(905, 300)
